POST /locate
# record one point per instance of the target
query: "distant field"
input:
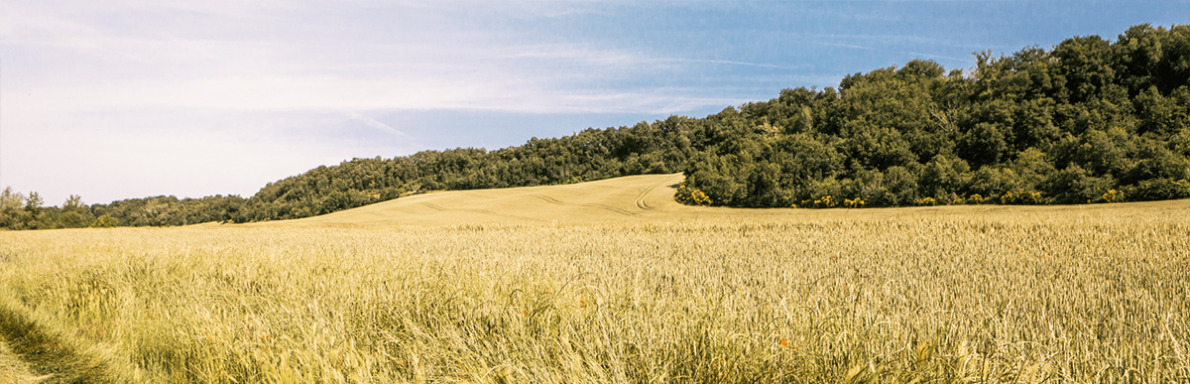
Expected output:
(609, 282)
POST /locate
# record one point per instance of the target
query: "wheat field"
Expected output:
(608, 282)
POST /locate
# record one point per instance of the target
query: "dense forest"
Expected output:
(1087, 121)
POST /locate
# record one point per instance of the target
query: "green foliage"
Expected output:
(20, 211)
(1075, 185)
(1067, 125)
(1158, 189)
(1063, 125)
(105, 221)
(12, 210)
(170, 211)
(984, 144)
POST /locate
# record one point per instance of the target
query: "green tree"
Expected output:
(105, 221)
(1075, 185)
(12, 209)
(983, 144)
(942, 176)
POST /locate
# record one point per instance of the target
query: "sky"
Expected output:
(122, 99)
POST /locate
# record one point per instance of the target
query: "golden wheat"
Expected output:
(949, 294)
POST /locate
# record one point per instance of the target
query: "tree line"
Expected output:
(1089, 120)
(21, 211)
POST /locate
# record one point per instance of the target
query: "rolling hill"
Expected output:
(621, 199)
(649, 198)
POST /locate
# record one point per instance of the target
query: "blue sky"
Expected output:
(122, 99)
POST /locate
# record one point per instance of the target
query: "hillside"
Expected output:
(619, 199)
(649, 199)
(1090, 120)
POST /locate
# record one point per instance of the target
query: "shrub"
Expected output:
(1158, 189)
(1112, 196)
(691, 196)
(977, 199)
(827, 201)
(1023, 197)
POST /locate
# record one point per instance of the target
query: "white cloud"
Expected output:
(99, 65)
(132, 98)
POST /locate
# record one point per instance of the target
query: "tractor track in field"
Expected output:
(45, 353)
(640, 198)
(14, 370)
(605, 207)
(439, 208)
(551, 200)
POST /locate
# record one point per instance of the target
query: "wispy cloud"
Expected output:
(282, 85)
(373, 123)
(574, 53)
(845, 45)
(731, 62)
(246, 93)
